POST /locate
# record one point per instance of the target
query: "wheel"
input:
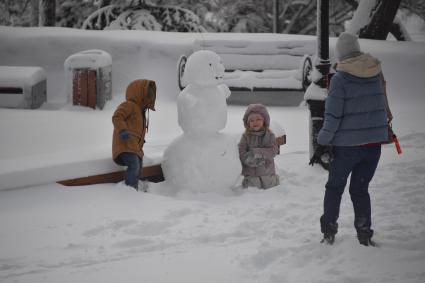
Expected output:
(180, 71)
(306, 72)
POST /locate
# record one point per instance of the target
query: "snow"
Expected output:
(361, 16)
(315, 92)
(12, 76)
(29, 85)
(110, 233)
(260, 61)
(277, 128)
(195, 164)
(94, 59)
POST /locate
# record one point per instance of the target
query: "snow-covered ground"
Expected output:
(110, 233)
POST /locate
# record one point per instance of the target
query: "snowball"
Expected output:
(208, 164)
(201, 106)
(204, 67)
(202, 110)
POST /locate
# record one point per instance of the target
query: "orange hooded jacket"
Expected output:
(129, 116)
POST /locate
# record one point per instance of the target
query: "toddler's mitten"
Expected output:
(124, 135)
(254, 159)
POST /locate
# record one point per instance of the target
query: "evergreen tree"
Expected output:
(142, 15)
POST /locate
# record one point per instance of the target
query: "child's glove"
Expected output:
(254, 160)
(124, 135)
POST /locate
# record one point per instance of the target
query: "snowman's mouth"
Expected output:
(218, 78)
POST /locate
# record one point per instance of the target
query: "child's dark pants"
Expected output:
(361, 162)
(134, 164)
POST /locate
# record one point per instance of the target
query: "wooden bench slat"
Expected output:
(113, 177)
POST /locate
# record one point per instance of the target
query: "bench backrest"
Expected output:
(258, 55)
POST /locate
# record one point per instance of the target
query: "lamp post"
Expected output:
(316, 93)
(275, 16)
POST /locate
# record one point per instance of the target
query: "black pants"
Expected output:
(361, 162)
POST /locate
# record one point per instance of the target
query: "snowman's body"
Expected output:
(202, 159)
(202, 110)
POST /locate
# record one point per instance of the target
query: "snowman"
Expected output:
(202, 159)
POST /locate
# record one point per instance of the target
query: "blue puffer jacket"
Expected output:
(355, 109)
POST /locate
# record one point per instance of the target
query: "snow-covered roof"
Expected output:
(94, 58)
(14, 76)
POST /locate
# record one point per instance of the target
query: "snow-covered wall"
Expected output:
(133, 54)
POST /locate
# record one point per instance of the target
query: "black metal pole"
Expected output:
(275, 16)
(323, 41)
(317, 106)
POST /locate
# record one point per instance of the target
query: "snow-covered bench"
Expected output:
(259, 65)
(22, 87)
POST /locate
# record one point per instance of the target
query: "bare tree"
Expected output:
(47, 13)
(416, 7)
(34, 13)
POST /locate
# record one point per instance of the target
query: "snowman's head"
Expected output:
(204, 68)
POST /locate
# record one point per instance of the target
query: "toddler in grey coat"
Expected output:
(257, 149)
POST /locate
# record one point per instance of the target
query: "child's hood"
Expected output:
(257, 108)
(138, 92)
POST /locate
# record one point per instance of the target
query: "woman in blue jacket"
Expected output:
(355, 125)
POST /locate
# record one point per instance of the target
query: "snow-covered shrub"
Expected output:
(144, 16)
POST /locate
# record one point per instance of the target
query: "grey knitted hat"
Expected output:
(347, 46)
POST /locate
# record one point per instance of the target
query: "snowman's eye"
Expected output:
(210, 64)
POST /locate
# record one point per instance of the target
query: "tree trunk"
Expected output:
(47, 13)
(382, 19)
(104, 3)
(399, 31)
(34, 13)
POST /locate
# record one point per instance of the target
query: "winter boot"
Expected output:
(365, 238)
(329, 231)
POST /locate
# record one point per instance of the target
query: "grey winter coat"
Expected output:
(256, 152)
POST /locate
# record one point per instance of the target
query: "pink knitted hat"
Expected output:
(258, 109)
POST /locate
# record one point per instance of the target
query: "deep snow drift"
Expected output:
(110, 233)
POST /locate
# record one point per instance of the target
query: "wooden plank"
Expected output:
(91, 88)
(154, 171)
(75, 92)
(83, 87)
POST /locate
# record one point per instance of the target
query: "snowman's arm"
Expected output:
(225, 90)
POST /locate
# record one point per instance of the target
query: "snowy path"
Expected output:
(249, 236)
